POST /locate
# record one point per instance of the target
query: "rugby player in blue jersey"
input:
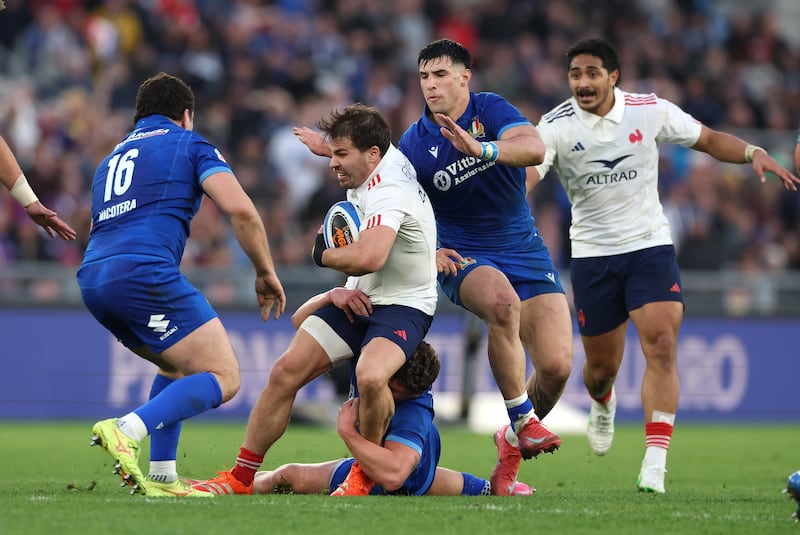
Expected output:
(144, 195)
(470, 151)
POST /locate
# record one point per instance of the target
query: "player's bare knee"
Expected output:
(229, 383)
(504, 313)
(285, 376)
(661, 351)
(555, 370)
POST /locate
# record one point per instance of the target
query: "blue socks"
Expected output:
(179, 400)
(164, 441)
(519, 411)
(475, 486)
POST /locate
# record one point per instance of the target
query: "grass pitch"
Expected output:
(720, 479)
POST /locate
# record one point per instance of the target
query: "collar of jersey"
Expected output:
(615, 115)
(152, 120)
(433, 127)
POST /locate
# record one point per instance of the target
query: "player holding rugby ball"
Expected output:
(380, 316)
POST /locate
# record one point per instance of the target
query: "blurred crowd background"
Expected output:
(69, 71)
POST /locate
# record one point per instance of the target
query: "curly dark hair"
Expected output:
(420, 370)
(163, 94)
(363, 125)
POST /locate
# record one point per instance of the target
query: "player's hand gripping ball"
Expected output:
(341, 225)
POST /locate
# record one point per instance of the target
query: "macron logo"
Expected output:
(158, 323)
(551, 277)
(434, 151)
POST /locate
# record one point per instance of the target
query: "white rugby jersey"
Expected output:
(392, 196)
(609, 169)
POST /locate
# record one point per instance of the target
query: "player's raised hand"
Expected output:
(460, 138)
(763, 162)
(49, 221)
(313, 140)
(270, 294)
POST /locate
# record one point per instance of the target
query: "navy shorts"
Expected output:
(143, 301)
(530, 273)
(405, 326)
(607, 288)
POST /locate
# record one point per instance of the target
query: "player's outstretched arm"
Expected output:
(729, 148)
(228, 195)
(313, 140)
(519, 146)
(12, 177)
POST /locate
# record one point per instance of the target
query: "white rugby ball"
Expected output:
(341, 225)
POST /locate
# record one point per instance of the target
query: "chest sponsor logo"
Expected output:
(459, 171)
(611, 164)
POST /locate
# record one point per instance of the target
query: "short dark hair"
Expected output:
(361, 124)
(446, 48)
(163, 94)
(599, 49)
(420, 370)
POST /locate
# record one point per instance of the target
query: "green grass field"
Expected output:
(721, 479)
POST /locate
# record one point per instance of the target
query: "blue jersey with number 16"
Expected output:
(146, 192)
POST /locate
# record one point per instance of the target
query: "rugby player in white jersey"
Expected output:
(380, 316)
(603, 142)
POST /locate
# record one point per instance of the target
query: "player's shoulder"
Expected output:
(487, 97)
(639, 99)
(562, 112)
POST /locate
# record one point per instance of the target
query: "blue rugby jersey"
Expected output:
(477, 204)
(412, 426)
(146, 192)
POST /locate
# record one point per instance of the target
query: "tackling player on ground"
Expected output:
(405, 463)
(603, 142)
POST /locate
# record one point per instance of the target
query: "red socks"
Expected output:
(247, 464)
(657, 434)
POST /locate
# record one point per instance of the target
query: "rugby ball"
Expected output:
(341, 225)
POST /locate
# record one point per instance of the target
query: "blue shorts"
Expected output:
(607, 288)
(405, 326)
(143, 301)
(530, 273)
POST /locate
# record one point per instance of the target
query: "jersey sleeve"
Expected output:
(410, 425)
(208, 159)
(677, 126)
(503, 114)
(388, 205)
(548, 135)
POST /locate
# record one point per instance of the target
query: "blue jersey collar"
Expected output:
(433, 127)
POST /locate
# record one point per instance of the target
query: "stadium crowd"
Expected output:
(69, 70)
